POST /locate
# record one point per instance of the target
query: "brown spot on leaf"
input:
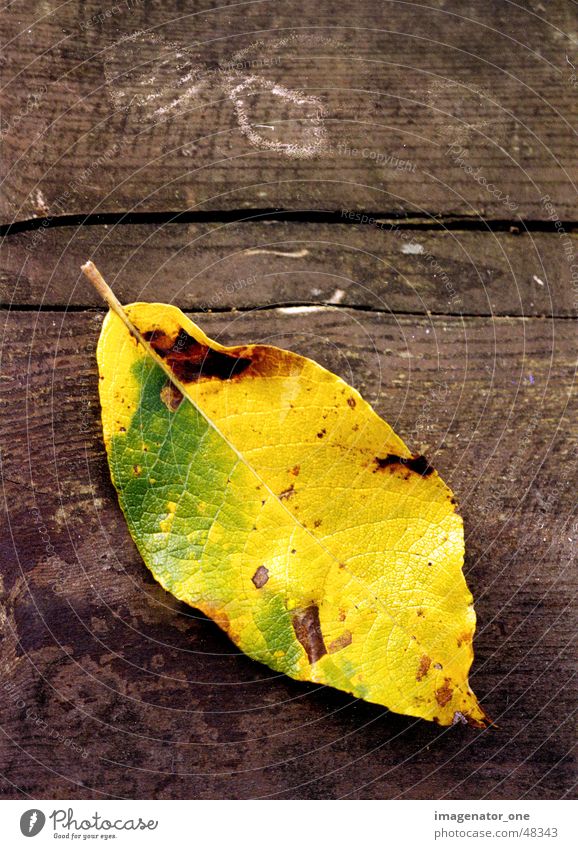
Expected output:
(295, 470)
(479, 723)
(218, 616)
(444, 694)
(171, 397)
(418, 463)
(260, 577)
(287, 493)
(420, 612)
(423, 667)
(321, 433)
(137, 470)
(466, 637)
(341, 642)
(351, 402)
(190, 361)
(308, 631)
(317, 523)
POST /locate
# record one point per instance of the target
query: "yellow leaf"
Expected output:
(263, 490)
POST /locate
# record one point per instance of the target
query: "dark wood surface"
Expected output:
(186, 106)
(452, 313)
(245, 265)
(158, 697)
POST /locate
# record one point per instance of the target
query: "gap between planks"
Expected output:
(292, 307)
(420, 222)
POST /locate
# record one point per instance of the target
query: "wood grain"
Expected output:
(116, 689)
(253, 264)
(437, 108)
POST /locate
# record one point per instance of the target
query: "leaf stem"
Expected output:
(92, 273)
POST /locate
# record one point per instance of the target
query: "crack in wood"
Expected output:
(399, 221)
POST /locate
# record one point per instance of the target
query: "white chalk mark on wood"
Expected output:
(314, 133)
(151, 84)
(291, 254)
(40, 203)
(166, 87)
(336, 297)
(412, 248)
(299, 310)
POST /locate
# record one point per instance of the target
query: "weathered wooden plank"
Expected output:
(256, 264)
(116, 689)
(449, 108)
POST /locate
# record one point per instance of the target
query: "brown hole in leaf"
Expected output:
(171, 397)
(260, 577)
(308, 631)
(287, 493)
(444, 694)
(341, 642)
(423, 667)
(189, 360)
(418, 463)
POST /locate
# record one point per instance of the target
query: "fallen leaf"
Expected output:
(263, 490)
